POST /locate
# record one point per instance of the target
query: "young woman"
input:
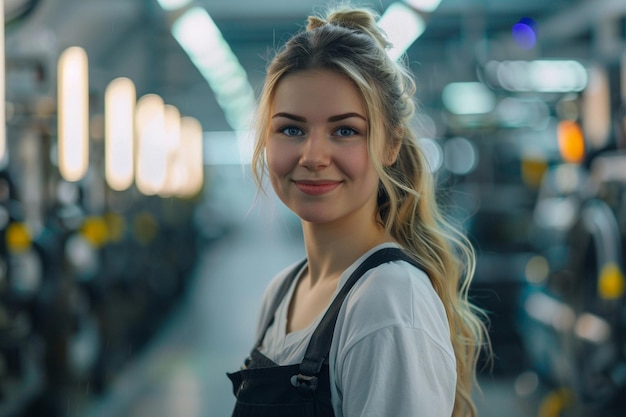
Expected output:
(375, 321)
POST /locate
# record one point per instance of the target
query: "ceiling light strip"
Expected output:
(202, 40)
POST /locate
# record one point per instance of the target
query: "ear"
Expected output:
(391, 152)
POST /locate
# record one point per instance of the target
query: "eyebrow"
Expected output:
(330, 119)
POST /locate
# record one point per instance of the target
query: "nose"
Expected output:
(316, 152)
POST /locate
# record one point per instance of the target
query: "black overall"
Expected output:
(264, 389)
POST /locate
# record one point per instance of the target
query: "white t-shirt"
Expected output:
(391, 353)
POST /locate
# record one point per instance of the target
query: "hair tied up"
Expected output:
(357, 20)
(315, 22)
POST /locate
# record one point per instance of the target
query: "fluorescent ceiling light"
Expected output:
(427, 6)
(174, 4)
(202, 40)
(402, 26)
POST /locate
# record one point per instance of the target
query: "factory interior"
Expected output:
(136, 247)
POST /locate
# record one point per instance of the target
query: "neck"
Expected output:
(331, 248)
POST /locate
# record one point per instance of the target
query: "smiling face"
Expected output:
(317, 153)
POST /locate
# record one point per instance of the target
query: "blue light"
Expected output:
(524, 33)
(529, 22)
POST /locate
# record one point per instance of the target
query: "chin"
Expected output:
(315, 218)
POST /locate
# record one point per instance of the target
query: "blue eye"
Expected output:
(291, 131)
(346, 131)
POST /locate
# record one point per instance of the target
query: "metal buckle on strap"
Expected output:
(306, 385)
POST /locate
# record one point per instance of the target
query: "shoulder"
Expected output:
(394, 294)
(398, 291)
(393, 328)
(272, 290)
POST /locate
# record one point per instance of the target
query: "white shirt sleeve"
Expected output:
(396, 371)
(391, 352)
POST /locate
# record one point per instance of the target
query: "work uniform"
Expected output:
(263, 388)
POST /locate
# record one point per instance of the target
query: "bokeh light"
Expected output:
(524, 33)
(571, 141)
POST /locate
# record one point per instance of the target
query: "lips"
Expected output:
(318, 187)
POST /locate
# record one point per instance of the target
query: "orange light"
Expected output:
(571, 141)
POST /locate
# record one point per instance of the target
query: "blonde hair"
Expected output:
(348, 41)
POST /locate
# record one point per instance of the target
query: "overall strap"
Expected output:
(319, 346)
(280, 294)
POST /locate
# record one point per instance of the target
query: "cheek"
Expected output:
(281, 158)
(356, 164)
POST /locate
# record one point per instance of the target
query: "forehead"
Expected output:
(318, 91)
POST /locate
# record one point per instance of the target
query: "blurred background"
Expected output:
(135, 248)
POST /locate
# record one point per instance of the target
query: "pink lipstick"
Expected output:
(316, 187)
